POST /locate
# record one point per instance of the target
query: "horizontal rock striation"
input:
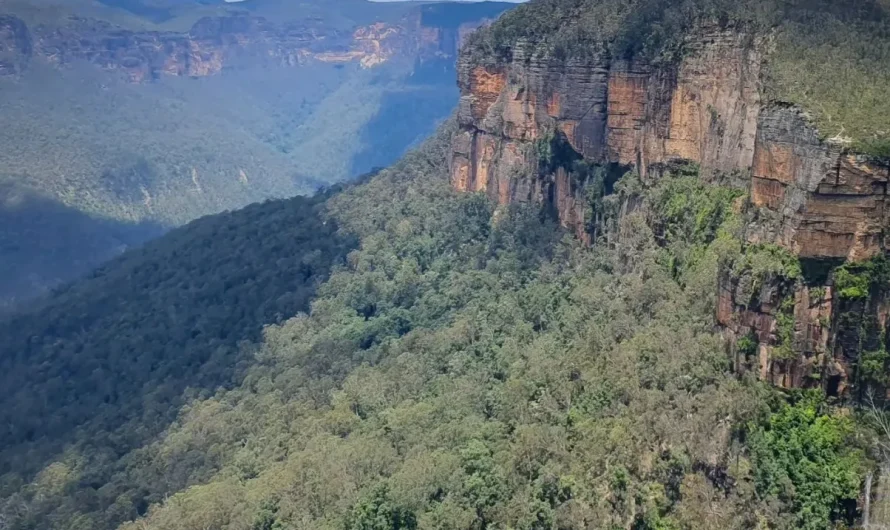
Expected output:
(630, 113)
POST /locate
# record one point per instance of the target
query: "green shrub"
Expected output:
(784, 349)
(802, 455)
(759, 265)
(873, 366)
(692, 210)
(688, 215)
(855, 281)
(377, 512)
(851, 286)
(747, 345)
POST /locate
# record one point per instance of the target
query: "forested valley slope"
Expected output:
(639, 281)
(120, 120)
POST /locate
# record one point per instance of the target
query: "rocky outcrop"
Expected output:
(817, 200)
(708, 109)
(820, 201)
(754, 334)
(835, 343)
(826, 206)
(704, 110)
(216, 43)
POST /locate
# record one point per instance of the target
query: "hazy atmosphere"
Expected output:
(410, 265)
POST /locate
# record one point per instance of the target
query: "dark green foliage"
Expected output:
(856, 281)
(484, 480)
(687, 209)
(602, 204)
(873, 367)
(378, 513)
(108, 360)
(688, 215)
(850, 285)
(803, 457)
(267, 517)
(763, 265)
(784, 347)
(860, 288)
(747, 345)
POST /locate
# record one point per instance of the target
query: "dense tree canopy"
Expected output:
(467, 367)
(104, 364)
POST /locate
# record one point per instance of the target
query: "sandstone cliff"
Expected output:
(818, 200)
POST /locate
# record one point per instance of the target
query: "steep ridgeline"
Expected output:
(557, 117)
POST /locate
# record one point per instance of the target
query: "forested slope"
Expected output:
(33, 261)
(466, 368)
(103, 365)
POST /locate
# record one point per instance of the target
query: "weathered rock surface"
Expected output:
(703, 110)
(829, 203)
(708, 109)
(812, 351)
(811, 197)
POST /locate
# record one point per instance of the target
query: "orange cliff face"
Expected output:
(214, 43)
(627, 113)
(812, 198)
(371, 46)
(707, 110)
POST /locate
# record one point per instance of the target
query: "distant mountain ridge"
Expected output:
(214, 43)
